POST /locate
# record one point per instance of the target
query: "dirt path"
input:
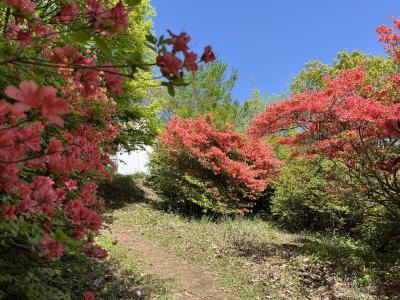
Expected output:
(191, 282)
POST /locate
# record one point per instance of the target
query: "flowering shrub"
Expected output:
(58, 123)
(355, 125)
(218, 170)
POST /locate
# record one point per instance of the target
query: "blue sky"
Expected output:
(269, 41)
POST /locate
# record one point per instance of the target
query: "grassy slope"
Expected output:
(254, 260)
(250, 258)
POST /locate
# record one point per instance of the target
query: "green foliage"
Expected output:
(210, 90)
(179, 192)
(140, 123)
(189, 194)
(313, 195)
(311, 77)
(302, 199)
(24, 276)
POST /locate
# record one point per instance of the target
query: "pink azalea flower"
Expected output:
(68, 12)
(88, 295)
(50, 247)
(30, 95)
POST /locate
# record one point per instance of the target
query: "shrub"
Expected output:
(303, 199)
(309, 196)
(69, 277)
(200, 168)
(59, 125)
(352, 122)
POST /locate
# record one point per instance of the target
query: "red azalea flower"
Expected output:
(50, 247)
(169, 64)
(68, 12)
(190, 61)
(208, 55)
(179, 42)
(88, 295)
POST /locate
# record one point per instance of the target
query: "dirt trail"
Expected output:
(191, 281)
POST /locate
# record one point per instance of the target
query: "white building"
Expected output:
(133, 162)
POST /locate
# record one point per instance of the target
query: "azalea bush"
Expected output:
(59, 125)
(355, 125)
(200, 168)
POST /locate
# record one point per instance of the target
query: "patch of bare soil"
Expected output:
(191, 281)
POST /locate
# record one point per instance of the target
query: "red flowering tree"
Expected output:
(353, 123)
(218, 170)
(58, 123)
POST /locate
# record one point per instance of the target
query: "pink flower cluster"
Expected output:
(103, 20)
(25, 6)
(334, 115)
(349, 122)
(68, 13)
(247, 162)
(87, 74)
(55, 143)
(107, 21)
(391, 37)
(78, 150)
(171, 65)
(30, 97)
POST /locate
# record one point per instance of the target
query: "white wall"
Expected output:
(136, 161)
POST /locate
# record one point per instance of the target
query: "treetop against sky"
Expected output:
(270, 41)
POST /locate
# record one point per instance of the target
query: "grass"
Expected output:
(116, 278)
(252, 259)
(141, 286)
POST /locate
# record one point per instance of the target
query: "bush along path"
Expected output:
(241, 258)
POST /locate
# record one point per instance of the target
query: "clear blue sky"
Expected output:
(269, 41)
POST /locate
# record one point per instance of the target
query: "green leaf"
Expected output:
(163, 41)
(81, 36)
(180, 81)
(134, 59)
(181, 84)
(144, 68)
(150, 46)
(102, 45)
(171, 90)
(62, 237)
(133, 3)
(151, 38)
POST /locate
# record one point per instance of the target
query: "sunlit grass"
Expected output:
(253, 259)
